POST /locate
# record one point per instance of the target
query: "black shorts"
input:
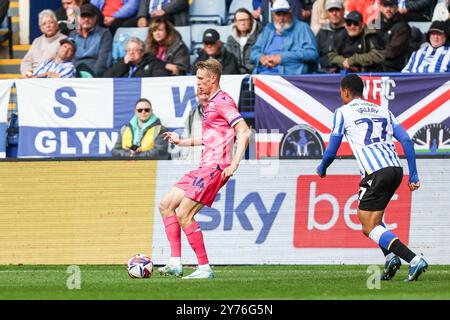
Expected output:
(377, 189)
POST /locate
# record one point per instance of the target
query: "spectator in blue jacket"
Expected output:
(286, 46)
(94, 44)
(261, 10)
(117, 13)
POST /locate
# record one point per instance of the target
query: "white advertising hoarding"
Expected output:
(281, 212)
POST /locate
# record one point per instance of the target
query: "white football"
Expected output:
(140, 266)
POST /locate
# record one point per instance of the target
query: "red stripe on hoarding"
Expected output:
(425, 111)
(291, 106)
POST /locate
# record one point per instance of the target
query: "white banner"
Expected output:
(283, 213)
(66, 103)
(5, 93)
(173, 97)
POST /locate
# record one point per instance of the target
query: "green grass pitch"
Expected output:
(230, 283)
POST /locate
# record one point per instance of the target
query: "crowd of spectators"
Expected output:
(277, 37)
(288, 37)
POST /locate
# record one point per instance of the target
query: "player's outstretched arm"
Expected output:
(408, 147)
(174, 138)
(329, 154)
(243, 137)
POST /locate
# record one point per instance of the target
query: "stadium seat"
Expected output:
(185, 32)
(422, 26)
(121, 36)
(6, 33)
(237, 4)
(224, 32)
(207, 11)
(197, 31)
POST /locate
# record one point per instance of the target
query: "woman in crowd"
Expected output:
(165, 42)
(43, 48)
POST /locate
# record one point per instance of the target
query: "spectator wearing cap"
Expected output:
(61, 66)
(136, 63)
(68, 14)
(214, 48)
(117, 13)
(417, 10)
(262, 10)
(442, 11)
(243, 36)
(435, 56)
(359, 49)
(176, 11)
(286, 46)
(94, 44)
(395, 32)
(369, 9)
(43, 48)
(326, 35)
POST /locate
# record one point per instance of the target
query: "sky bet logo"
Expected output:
(326, 213)
(236, 212)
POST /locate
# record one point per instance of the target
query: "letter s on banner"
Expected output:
(68, 104)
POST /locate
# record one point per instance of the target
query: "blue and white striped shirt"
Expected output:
(65, 69)
(369, 130)
(429, 59)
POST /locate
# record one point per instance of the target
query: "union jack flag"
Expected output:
(293, 115)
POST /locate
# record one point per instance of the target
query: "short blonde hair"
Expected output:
(211, 65)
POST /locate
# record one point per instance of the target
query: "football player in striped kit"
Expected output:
(369, 129)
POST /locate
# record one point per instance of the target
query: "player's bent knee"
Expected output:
(164, 209)
(183, 219)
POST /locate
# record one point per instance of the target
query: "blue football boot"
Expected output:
(390, 268)
(417, 270)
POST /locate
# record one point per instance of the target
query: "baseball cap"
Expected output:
(281, 6)
(210, 36)
(69, 41)
(334, 4)
(389, 3)
(88, 9)
(354, 16)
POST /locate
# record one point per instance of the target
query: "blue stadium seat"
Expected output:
(120, 39)
(185, 32)
(6, 33)
(197, 31)
(237, 4)
(207, 11)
